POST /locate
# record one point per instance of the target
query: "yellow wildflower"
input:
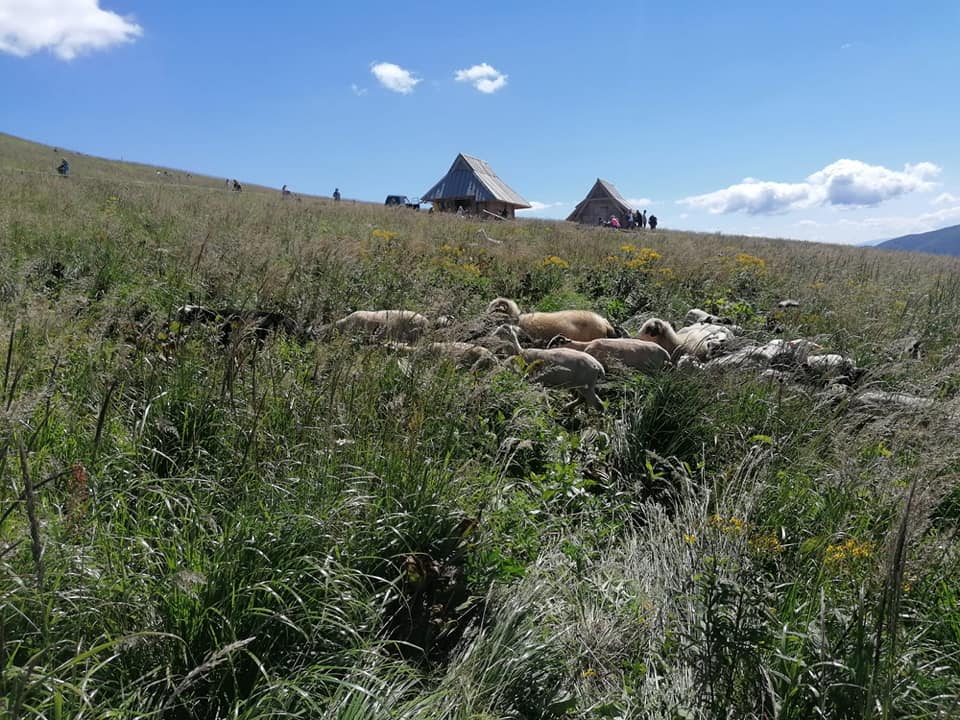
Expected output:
(555, 261)
(851, 548)
(751, 262)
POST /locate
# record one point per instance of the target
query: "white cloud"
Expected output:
(875, 229)
(945, 199)
(844, 183)
(536, 206)
(853, 183)
(357, 90)
(846, 46)
(639, 202)
(67, 28)
(395, 78)
(483, 77)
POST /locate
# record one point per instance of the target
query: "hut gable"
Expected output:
(602, 201)
(472, 184)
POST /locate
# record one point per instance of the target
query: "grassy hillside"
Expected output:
(24, 155)
(945, 241)
(306, 528)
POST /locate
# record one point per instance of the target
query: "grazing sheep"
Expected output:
(258, 322)
(465, 355)
(560, 368)
(701, 341)
(543, 326)
(402, 325)
(886, 402)
(641, 355)
(696, 315)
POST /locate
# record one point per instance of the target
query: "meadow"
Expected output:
(296, 528)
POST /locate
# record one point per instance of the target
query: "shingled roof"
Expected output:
(603, 191)
(471, 177)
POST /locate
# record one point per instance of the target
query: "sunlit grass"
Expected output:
(197, 528)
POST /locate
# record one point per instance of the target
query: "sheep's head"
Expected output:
(506, 332)
(654, 327)
(505, 306)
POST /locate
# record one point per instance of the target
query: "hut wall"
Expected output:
(599, 208)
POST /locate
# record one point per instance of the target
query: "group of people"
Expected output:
(630, 220)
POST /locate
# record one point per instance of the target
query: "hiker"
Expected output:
(237, 187)
(614, 223)
(64, 167)
(643, 219)
(336, 194)
(653, 222)
(284, 191)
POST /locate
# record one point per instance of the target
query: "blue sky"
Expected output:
(833, 121)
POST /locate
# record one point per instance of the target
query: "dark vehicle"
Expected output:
(402, 200)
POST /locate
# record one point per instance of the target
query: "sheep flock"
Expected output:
(573, 350)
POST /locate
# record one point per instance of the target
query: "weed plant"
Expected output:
(200, 526)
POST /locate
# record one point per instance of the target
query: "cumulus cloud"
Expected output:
(67, 28)
(639, 202)
(945, 199)
(483, 77)
(844, 183)
(395, 78)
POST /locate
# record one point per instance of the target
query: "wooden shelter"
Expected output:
(471, 184)
(601, 202)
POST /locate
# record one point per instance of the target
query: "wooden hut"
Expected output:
(601, 202)
(472, 185)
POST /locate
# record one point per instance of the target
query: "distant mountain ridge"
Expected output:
(945, 241)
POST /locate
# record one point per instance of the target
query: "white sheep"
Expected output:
(696, 315)
(701, 340)
(641, 355)
(560, 368)
(543, 326)
(465, 355)
(402, 325)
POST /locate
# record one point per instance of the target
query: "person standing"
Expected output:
(336, 194)
(653, 222)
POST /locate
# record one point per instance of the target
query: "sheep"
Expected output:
(402, 325)
(465, 355)
(699, 340)
(696, 315)
(544, 326)
(259, 322)
(641, 355)
(560, 368)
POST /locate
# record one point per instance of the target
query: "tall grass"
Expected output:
(193, 528)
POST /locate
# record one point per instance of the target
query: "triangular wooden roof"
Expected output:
(601, 190)
(471, 177)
